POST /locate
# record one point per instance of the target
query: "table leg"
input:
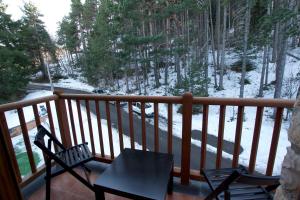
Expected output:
(170, 184)
(99, 195)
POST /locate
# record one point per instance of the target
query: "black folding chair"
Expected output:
(66, 158)
(237, 183)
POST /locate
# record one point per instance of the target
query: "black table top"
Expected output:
(144, 174)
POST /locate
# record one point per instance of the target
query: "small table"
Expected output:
(138, 175)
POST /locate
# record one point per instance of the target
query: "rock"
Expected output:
(290, 172)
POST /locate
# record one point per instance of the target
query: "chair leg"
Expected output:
(86, 168)
(170, 184)
(100, 195)
(48, 179)
(226, 195)
(87, 172)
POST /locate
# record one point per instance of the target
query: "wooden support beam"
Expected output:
(187, 102)
(63, 121)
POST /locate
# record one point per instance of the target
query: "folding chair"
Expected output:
(66, 158)
(237, 183)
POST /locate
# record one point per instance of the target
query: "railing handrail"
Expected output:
(256, 102)
(129, 98)
(25, 103)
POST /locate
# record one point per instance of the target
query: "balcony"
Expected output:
(103, 114)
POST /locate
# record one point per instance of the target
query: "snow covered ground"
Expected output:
(231, 85)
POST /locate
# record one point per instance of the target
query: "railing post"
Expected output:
(63, 120)
(9, 185)
(187, 105)
(6, 136)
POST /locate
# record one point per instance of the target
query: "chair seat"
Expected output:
(238, 191)
(75, 155)
(246, 193)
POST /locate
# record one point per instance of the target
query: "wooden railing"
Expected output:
(66, 123)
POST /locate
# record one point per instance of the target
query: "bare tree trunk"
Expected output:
(178, 70)
(247, 24)
(217, 29)
(275, 43)
(267, 54)
(145, 55)
(280, 65)
(156, 73)
(294, 39)
(213, 46)
(156, 70)
(282, 49)
(222, 65)
(262, 77)
(206, 22)
(137, 77)
(42, 65)
(126, 81)
(167, 28)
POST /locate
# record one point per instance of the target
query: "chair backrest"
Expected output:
(40, 140)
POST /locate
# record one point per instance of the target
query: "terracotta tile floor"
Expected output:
(65, 186)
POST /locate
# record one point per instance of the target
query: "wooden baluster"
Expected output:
(220, 136)
(51, 124)
(80, 120)
(187, 104)
(111, 144)
(72, 121)
(36, 115)
(170, 128)
(88, 113)
(255, 140)
(120, 128)
(204, 136)
(274, 143)
(131, 125)
(37, 121)
(156, 128)
(26, 140)
(144, 139)
(10, 148)
(99, 128)
(238, 134)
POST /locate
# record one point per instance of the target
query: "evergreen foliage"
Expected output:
(24, 44)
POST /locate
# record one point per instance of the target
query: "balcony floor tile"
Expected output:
(65, 186)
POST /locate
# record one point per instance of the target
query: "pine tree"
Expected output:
(35, 39)
(15, 65)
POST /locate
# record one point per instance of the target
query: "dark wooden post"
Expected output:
(63, 120)
(9, 188)
(187, 104)
(9, 146)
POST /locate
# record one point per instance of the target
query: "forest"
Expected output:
(106, 41)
